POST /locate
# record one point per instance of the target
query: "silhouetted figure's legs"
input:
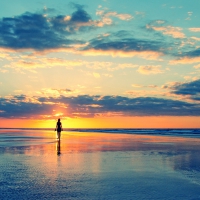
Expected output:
(58, 135)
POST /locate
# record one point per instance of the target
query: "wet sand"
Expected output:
(34, 165)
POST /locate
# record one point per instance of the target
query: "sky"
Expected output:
(100, 64)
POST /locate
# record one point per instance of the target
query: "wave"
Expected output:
(171, 132)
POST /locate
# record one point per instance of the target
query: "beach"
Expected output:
(93, 165)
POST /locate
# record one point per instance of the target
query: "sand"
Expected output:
(34, 165)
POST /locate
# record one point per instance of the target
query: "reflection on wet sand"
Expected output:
(58, 147)
(97, 142)
(176, 152)
(101, 162)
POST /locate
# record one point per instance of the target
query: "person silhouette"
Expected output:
(58, 129)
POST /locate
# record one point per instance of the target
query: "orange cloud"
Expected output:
(106, 15)
(137, 85)
(150, 69)
(148, 55)
(171, 85)
(30, 63)
(126, 65)
(194, 29)
(195, 38)
(175, 32)
(185, 60)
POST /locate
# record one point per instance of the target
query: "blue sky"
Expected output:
(99, 58)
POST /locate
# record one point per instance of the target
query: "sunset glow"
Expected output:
(107, 122)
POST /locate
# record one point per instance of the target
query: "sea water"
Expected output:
(100, 164)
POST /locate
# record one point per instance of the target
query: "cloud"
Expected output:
(126, 44)
(194, 29)
(171, 85)
(187, 57)
(126, 65)
(126, 47)
(80, 15)
(41, 31)
(137, 86)
(144, 93)
(150, 69)
(22, 106)
(175, 32)
(24, 110)
(195, 38)
(190, 88)
(32, 63)
(194, 53)
(138, 13)
(55, 92)
(190, 91)
(152, 86)
(124, 16)
(148, 55)
(115, 14)
(107, 15)
(160, 21)
(29, 31)
(185, 60)
(45, 32)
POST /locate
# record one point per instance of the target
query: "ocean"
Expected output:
(165, 132)
(95, 164)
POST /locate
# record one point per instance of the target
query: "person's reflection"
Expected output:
(58, 147)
